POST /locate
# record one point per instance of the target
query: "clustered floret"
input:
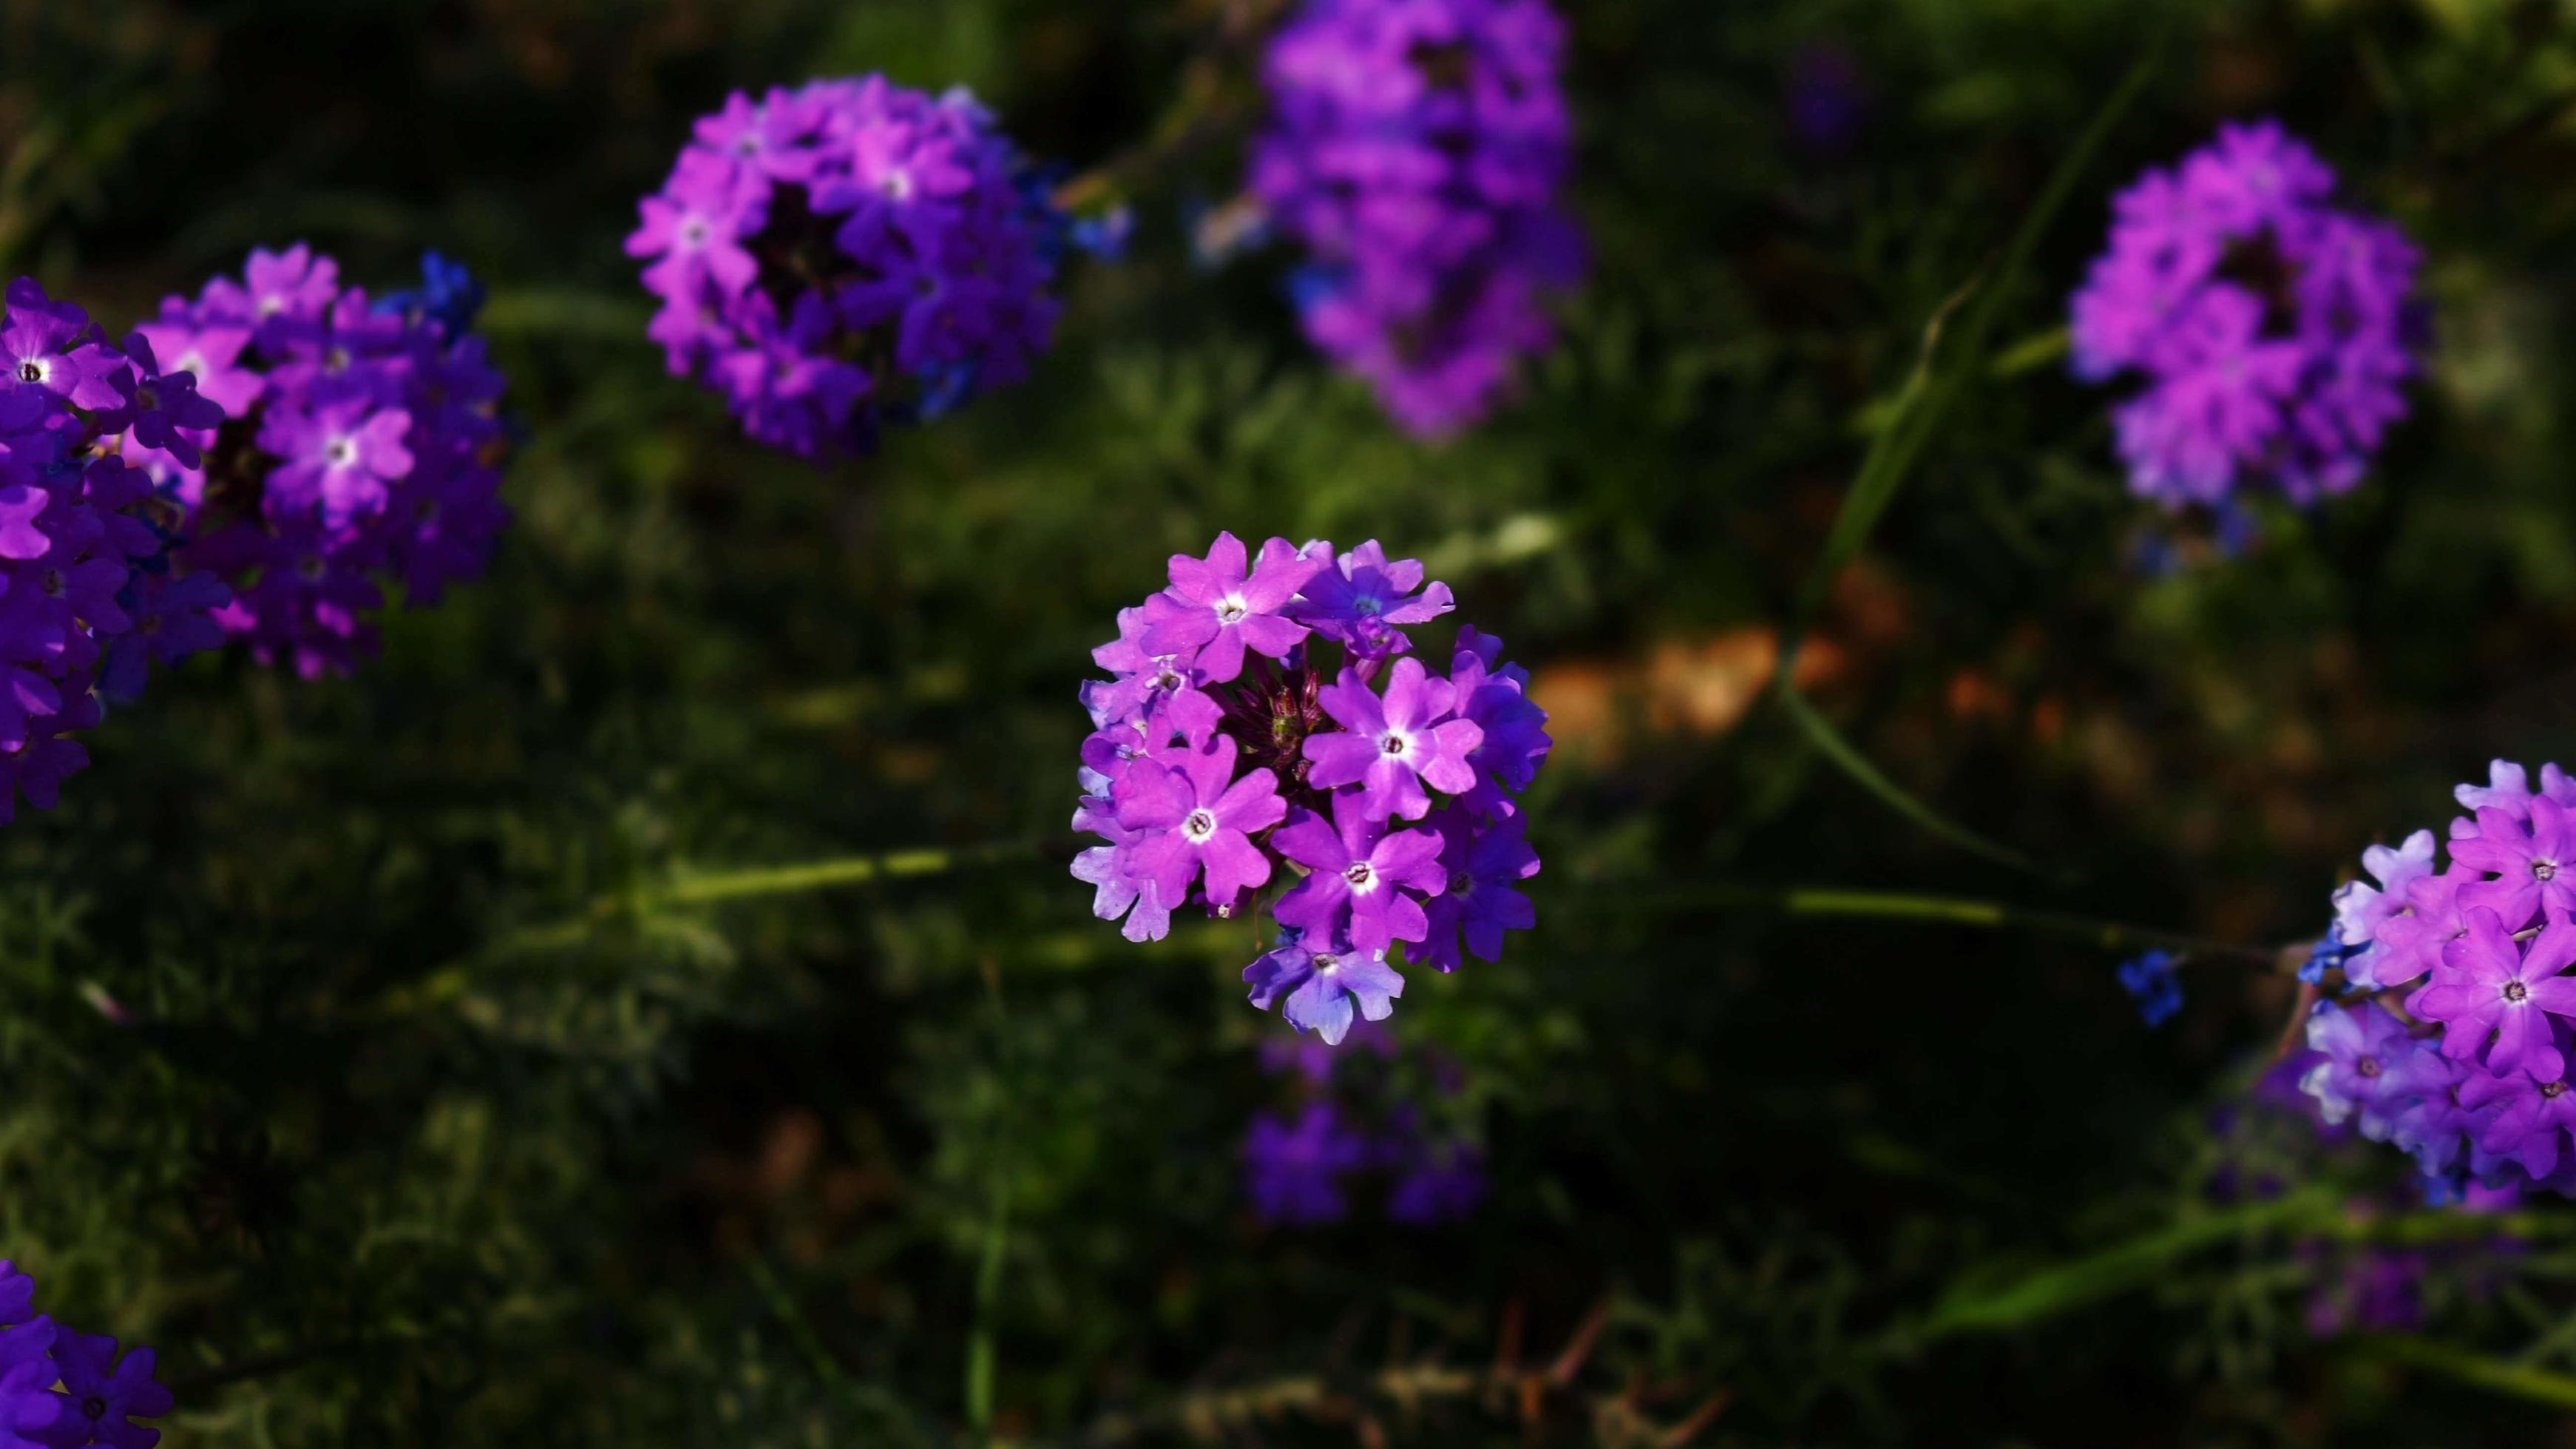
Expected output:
(63, 1390)
(1370, 804)
(2273, 330)
(1299, 1170)
(87, 594)
(2154, 981)
(353, 444)
(1416, 150)
(848, 254)
(2453, 1041)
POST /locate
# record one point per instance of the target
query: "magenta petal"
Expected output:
(1234, 864)
(1393, 789)
(1166, 860)
(1175, 626)
(2514, 1033)
(1209, 769)
(1315, 904)
(2550, 952)
(1401, 917)
(1221, 657)
(1338, 759)
(1313, 843)
(1252, 803)
(1270, 635)
(2555, 995)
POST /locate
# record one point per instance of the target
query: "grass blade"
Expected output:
(1912, 419)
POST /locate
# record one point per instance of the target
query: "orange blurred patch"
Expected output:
(1698, 687)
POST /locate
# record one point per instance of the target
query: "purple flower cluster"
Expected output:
(847, 254)
(2273, 330)
(63, 1390)
(87, 595)
(1416, 150)
(351, 444)
(2472, 1075)
(1230, 760)
(1299, 1170)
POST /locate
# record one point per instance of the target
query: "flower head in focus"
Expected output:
(1271, 743)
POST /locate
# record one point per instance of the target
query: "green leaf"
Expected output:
(1969, 1307)
(1911, 420)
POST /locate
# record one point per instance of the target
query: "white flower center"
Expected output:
(2516, 992)
(34, 369)
(1199, 826)
(1361, 875)
(1231, 609)
(342, 452)
(693, 232)
(1326, 964)
(1393, 742)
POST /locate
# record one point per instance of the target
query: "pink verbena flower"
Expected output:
(84, 599)
(848, 254)
(2272, 332)
(351, 444)
(2473, 1081)
(1221, 723)
(1417, 150)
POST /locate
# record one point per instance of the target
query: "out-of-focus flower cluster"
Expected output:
(1416, 150)
(852, 253)
(1269, 740)
(87, 594)
(353, 443)
(2452, 1037)
(63, 1390)
(2272, 330)
(1299, 1170)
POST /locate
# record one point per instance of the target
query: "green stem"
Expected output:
(808, 1342)
(980, 1353)
(1862, 904)
(2031, 353)
(1993, 915)
(828, 874)
(2519, 1380)
(1830, 743)
(1970, 1307)
(1913, 419)
(778, 880)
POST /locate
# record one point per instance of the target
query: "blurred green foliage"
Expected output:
(373, 1054)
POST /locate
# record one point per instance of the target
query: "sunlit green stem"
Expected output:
(829, 874)
(1834, 901)
(2031, 353)
(2522, 1381)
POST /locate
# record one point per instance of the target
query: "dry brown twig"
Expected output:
(1534, 1394)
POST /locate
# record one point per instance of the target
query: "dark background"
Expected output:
(440, 1121)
